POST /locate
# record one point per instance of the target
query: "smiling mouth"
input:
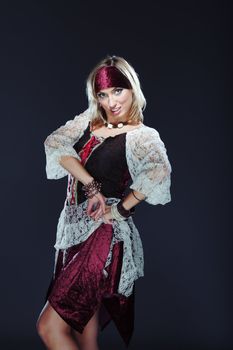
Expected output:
(114, 111)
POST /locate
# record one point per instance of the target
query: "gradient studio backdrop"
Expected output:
(182, 52)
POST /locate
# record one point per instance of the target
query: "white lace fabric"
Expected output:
(60, 143)
(150, 171)
(148, 164)
(75, 226)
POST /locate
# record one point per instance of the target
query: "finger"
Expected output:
(99, 213)
(88, 211)
(103, 206)
(101, 199)
(89, 207)
(97, 216)
(92, 208)
(93, 213)
(107, 219)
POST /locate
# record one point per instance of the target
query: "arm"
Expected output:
(150, 170)
(130, 201)
(149, 167)
(62, 159)
(60, 143)
(75, 168)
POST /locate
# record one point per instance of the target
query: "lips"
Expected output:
(114, 111)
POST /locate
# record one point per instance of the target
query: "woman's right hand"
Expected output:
(96, 206)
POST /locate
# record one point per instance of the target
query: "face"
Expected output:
(116, 102)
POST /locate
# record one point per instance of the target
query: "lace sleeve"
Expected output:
(60, 143)
(148, 165)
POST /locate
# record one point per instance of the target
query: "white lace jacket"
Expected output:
(150, 171)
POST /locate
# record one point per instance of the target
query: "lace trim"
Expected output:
(60, 143)
(146, 157)
(75, 226)
(148, 164)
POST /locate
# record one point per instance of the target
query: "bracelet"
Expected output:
(115, 213)
(136, 197)
(91, 188)
(124, 212)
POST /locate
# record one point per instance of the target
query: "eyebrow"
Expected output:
(102, 92)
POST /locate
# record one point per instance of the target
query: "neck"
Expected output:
(116, 124)
(117, 120)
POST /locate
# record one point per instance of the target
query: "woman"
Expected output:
(113, 162)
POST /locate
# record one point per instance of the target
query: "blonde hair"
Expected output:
(97, 114)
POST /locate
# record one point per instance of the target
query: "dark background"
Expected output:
(182, 51)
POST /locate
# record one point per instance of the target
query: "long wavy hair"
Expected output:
(97, 113)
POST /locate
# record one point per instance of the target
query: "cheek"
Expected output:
(126, 100)
(103, 104)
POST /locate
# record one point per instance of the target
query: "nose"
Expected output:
(111, 102)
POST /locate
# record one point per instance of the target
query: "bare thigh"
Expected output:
(91, 330)
(50, 319)
(50, 322)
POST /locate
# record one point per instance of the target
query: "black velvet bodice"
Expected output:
(107, 164)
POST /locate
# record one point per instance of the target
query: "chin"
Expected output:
(119, 117)
(122, 115)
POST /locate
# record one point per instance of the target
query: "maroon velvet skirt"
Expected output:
(79, 287)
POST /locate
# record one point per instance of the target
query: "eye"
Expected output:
(118, 91)
(101, 95)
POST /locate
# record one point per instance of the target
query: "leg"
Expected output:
(54, 331)
(88, 339)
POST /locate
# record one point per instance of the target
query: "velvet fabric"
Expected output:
(114, 173)
(80, 284)
(110, 76)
